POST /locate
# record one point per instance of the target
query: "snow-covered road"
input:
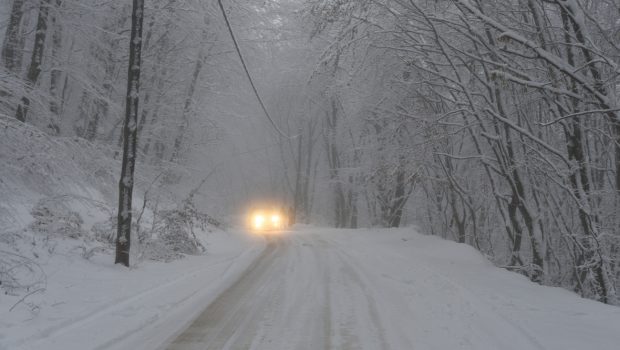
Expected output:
(391, 289)
(314, 288)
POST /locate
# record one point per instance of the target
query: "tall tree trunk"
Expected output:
(187, 108)
(130, 128)
(56, 74)
(149, 137)
(297, 198)
(589, 259)
(599, 85)
(333, 159)
(399, 199)
(308, 172)
(37, 58)
(11, 48)
(352, 205)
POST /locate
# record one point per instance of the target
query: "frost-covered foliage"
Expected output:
(18, 273)
(62, 91)
(36, 164)
(75, 85)
(168, 235)
(51, 216)
(510, 115)
(58, 197)
(176, 229)
(105, 231)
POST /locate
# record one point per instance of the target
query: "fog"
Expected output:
(457, 117)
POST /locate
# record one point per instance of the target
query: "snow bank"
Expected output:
(458, 299)
(36, 165)
(59, 287)
(91, 304)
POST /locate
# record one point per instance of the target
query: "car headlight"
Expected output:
(259, 220)
(275, 219)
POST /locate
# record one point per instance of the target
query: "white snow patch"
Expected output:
(437, 294)
(94, 304)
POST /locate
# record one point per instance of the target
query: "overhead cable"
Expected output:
(247, 72)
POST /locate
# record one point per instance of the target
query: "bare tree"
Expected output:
(514, 125)
(12, 46)
(130, 141)
(36, 60)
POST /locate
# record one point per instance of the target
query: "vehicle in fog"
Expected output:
(267, 220)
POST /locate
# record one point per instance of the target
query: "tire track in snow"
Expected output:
(121, 305)
(220, 323)
(310, 291)
(358, 317)
(463, 301)
(302, 293)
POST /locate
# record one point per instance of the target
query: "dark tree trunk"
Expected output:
(333, 159)
(37, 57)
(353, 207)
(588, 259)
(130, 128)
(99, 110)
(56, 74)
(297, 199)
(307, 174)
(398, 202)
(11, 48)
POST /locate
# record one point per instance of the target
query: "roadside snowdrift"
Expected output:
(57, 209)
(94, 304)
(36, 166)
(438, 294)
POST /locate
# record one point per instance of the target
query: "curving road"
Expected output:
(288, 296)
(396, 290)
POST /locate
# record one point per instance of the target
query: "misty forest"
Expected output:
(142, 132)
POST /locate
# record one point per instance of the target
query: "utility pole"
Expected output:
(125, 185)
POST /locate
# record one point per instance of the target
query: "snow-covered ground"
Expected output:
(94, 304)
(392, 289)
(313, 288)
(59, 288)
(436, 294)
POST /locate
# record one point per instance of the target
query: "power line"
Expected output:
(247, 72)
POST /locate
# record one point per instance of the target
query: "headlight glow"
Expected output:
(266, 221)
(258, 221)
